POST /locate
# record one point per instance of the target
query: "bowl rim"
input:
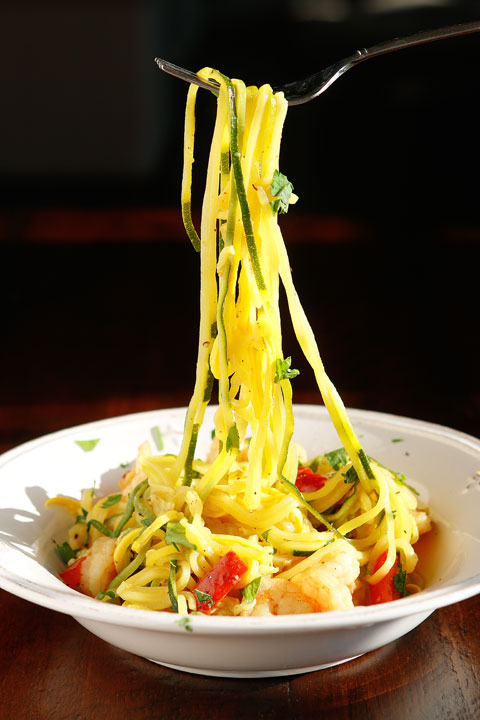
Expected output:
(70, 602)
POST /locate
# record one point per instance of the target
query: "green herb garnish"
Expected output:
(87, 445)
(283, 370)
(204, 597)
(175, 535)
(112, 500)
(250, 591)
(184, 622)
(102, 528)
(281, 189)
(83, 517)
(337, 458)
(66, 552)
(399, 581)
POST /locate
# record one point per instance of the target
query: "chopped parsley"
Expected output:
(281, 189)
(250, 591)
(66, 552)
(112, 500)
(102, 528)
(83, 517)
(204, 597)
(175, 535)
(184, 622)
(399, 581)
(337, 458)
(284, 371)
(87, 445)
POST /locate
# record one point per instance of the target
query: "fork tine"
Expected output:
(186, 75)
(302, 91)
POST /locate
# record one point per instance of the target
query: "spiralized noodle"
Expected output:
(179, 516)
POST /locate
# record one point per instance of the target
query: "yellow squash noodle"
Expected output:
(177, 516)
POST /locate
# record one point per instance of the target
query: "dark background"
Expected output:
(99, 290)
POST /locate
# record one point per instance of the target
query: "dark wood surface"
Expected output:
(91, 330)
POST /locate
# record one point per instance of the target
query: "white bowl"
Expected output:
(442, 463)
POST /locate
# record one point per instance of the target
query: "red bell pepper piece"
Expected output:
(384, 591)
(219, 581)
(307, 481)
(72, 576)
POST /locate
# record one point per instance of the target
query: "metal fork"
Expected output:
(302, 91)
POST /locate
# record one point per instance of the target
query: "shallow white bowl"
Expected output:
(442, 463)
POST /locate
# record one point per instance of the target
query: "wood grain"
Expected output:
(54, 669)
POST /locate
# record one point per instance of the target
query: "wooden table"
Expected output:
(53, 669)
(86, 339)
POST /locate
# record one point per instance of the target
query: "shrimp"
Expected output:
(278, 596)
(423, 521)
(98, 568)
(329, 583)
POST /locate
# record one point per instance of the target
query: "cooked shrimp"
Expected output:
(98, 568)
(424, 523)
(330, 583)
(278, 596)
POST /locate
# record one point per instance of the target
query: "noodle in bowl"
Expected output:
(442, 464)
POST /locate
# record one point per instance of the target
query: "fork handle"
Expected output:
(416, 39)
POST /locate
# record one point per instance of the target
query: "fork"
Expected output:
(302, 91)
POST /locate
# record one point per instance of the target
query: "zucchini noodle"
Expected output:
(158, 543)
